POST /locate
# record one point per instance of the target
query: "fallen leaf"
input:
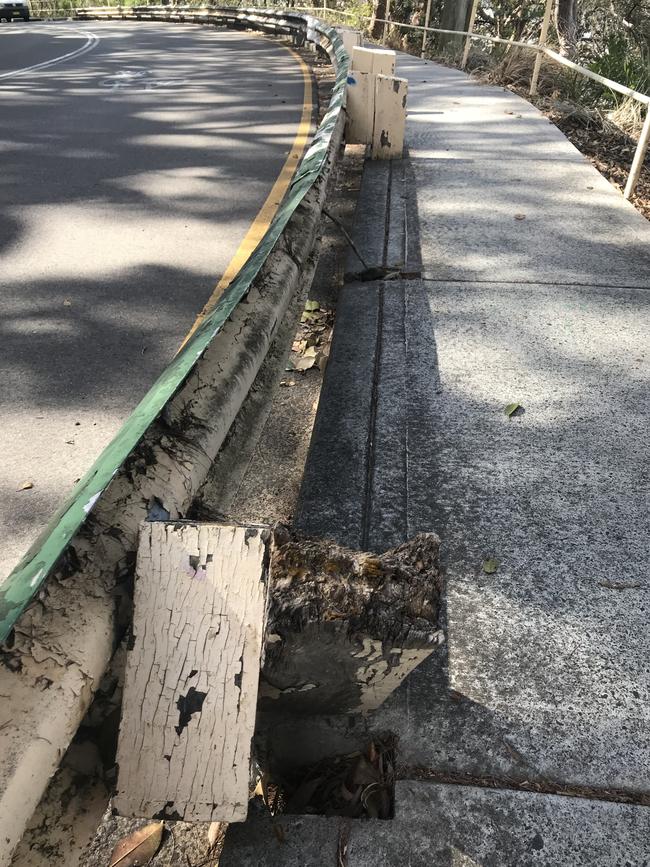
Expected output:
(138, 848)
(305, 363)
(520, 216)
(287, 383)
(311, 306)
(25, 486)
(511, 409)
(298, 345)
(310, 352)
(67, 302)
(490, 566)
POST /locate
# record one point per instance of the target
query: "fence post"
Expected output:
(468, 39)
(426, 24)
(542, 41)
(639, 156)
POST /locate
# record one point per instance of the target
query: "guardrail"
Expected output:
(29, 575)
(60, 648)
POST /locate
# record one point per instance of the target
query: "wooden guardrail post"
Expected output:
(376, 103)
(190, 692)
(390, 117)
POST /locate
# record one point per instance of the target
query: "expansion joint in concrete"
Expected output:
(370, 450)
(541, 786)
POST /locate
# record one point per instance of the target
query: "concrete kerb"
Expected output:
(63, 642)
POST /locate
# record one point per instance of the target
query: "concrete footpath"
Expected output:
(528, 742)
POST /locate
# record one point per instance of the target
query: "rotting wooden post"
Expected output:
(344, 627)
(470, 29)
(639, 156)
(381, 61)
(390, 118)
(350, 39)
(190, 693)
(367, 64)
(360, 107)
(543, 34)
(427, 17)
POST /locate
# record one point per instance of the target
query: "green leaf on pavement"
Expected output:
(490, 566)
(511, 409)
(310, 306)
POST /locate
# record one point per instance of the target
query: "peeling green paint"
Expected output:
(22, 584)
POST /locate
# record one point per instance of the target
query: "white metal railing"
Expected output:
(540, 48)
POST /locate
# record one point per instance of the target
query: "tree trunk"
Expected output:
(566, 22)
(455, 16)
(378, 13)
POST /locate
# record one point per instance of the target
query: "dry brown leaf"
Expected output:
(305, 363)
(67, 302)
(138, 848)
(25, 486)
(520, 216)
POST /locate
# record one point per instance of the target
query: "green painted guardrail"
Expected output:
(22, 584)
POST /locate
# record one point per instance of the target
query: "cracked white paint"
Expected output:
(190, 693)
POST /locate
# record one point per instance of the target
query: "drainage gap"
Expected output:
(358, 785)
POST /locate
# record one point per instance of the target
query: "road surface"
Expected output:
(135, 158)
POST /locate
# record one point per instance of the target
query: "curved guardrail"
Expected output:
(27, 578)
(60, 648)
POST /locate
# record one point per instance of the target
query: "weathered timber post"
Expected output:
(376, 103)
(344, 627)
(333, 631)
(190, 692)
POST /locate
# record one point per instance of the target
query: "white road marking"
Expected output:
(141, 79)
(92, 40)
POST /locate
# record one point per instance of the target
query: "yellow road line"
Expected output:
(269, 209)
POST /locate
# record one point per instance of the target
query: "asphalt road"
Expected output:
(129, 174)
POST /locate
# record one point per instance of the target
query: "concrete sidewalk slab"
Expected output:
(386, 225)
(483, 156)
(444, 825)
(460, 825)
(548, 656)
(486, 220)
(546, 681)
